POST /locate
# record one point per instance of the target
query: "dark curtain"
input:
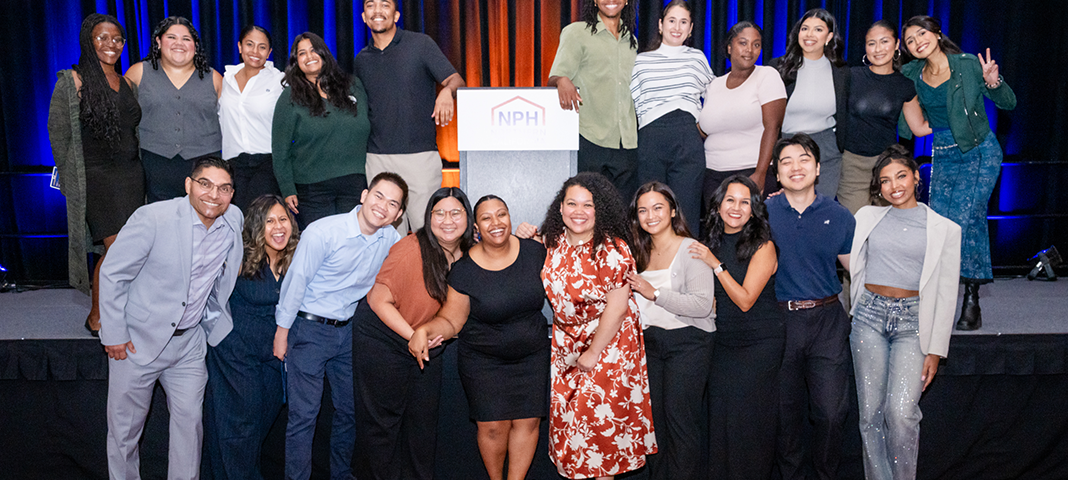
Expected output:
(513, 42)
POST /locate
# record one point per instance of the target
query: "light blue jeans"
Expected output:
(888, 365)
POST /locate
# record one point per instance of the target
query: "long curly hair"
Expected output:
(792, 60)
(97, 109)
(435, 264)
(642, 245)
(610, 216)
(932, 25)
(333, 80)
(755, 233)
(627, 19)
(200, 59)
(255, 241)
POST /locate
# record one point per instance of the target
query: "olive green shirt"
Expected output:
(600, 66)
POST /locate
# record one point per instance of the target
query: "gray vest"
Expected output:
(176, 121)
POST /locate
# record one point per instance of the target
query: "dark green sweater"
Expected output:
(309, 149)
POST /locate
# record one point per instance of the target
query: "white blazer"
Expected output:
(938, 282)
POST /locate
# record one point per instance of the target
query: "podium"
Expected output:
(518, 144)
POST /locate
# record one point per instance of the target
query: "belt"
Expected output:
(326, 321)
(181, 331)
(793, 305)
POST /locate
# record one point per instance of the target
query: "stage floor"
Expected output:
(1010, 307)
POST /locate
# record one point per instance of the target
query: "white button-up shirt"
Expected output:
(246, 116)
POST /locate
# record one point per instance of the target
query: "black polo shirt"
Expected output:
(401, 84)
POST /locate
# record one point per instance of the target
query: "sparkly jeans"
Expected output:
(888, 364)
(961, 184)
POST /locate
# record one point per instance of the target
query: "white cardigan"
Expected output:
(938, 282)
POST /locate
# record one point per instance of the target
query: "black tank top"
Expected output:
(729, 318)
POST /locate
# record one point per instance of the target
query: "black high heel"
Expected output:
(95, 333)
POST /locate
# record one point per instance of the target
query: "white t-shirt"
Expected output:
(733, 119)
(246, 117)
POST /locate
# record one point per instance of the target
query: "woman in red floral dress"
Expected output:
(600, 421)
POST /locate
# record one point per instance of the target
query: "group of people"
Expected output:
(698, 330)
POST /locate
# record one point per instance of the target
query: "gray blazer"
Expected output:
(144, 281)
(690, 297)
(938, 281)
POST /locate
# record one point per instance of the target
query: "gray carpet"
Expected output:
(1010, 306)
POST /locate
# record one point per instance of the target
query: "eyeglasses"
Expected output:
(103, 38)
(225, 189)
(456, 214)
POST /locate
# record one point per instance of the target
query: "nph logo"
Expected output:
(518, 112)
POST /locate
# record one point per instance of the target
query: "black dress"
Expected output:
(114, 179)
(743, 384)
(503, 354)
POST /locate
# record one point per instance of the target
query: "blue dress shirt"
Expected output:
(333, 268)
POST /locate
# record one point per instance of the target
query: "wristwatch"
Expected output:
(656, 294)
(719, 268)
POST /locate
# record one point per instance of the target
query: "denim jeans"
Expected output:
(889, 364)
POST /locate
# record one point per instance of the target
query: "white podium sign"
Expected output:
(498, 119)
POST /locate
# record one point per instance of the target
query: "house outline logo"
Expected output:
(501, 116)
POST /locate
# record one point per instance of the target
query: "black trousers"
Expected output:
(815, 367)
(396, 403)
(329, 197)
(743, 397)
(253, 176)
(165, 177)
(620, 165)
(670, 150)
(678, 373)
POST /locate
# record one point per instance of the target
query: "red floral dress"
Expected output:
(600, 423)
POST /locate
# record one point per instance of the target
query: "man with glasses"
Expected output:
(333, 268)
(163, 291)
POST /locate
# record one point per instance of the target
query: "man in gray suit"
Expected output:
(164, 288)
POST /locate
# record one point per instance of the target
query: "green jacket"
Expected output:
(964, 99)
(65, 134)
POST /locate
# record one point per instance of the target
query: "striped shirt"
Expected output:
(210, 247)
(668, 79)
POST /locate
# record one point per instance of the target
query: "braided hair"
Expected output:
(97, 109)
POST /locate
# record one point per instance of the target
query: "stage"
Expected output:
(997, 409)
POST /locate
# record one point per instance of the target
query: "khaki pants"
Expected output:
(421, 171)
(856, 179)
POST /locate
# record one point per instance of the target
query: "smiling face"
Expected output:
(676, 26)
(897, 184)
(211, 202)
(654, 213)
(921, 42)
(611, 8)
(381, 205)
(797, 168)
(255, 49)
(744, 49)
(108, 43)
(277, 229)
(308, 60)
(879, 46)
(176, 46)
(813, 37)
(380, 16)
(578, 213)
(493, 222)
(449, 226)
(736, 208)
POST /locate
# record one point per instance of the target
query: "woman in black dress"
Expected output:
(92, 124)
(495, 297)
(245, 388)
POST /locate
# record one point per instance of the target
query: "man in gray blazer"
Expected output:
(164, 287)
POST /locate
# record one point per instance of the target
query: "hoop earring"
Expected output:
(897, 55)
(865, 61)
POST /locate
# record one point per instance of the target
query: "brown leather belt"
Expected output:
(794, 305)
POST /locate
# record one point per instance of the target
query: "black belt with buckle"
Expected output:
(326, 321)
(794, 305)
(181, 331)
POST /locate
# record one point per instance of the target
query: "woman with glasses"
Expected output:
(396, 400)
(319, 134)
(92, 124)
(179, 95)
